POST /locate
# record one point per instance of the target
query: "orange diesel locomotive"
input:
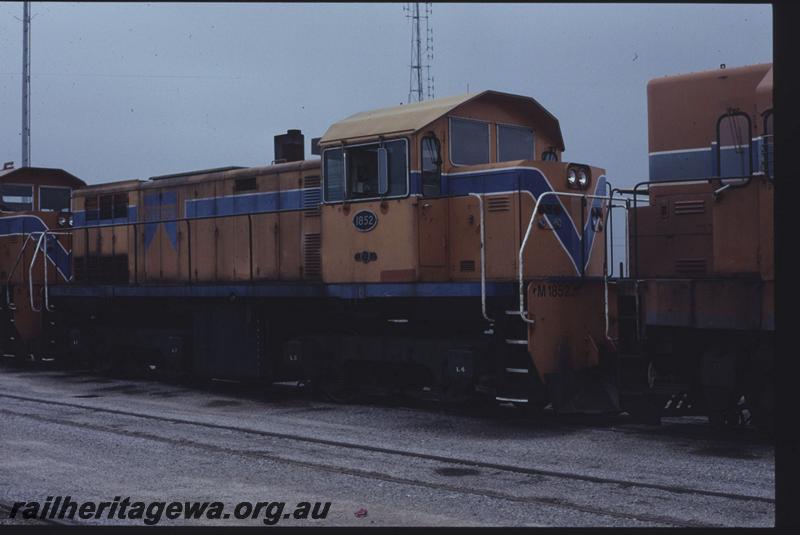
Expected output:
(35, 243)
(439, 247)
(697, 313)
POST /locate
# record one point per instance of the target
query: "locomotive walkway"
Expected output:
(96, 438)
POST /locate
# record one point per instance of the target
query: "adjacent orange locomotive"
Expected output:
(697, 313)
(35, 243)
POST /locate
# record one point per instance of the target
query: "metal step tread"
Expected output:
(510, 400)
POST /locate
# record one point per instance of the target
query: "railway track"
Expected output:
(598, 422)
(421, 456)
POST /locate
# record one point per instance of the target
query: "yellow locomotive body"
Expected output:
(410, 240)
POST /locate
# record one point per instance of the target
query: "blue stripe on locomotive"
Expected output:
(25, 224)
(702, 163)
(162, 205)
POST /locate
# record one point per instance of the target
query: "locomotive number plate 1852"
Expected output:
(364, 220)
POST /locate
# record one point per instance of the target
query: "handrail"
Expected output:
(30, 271)
(45, 270)
(522, 312)
(14, 268)
(610, 225)
(41, 244)
(483, 258)
(606, 232)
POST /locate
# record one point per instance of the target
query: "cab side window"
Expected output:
(355, 172)
(469, 141)
(53, 198)
(514, 143)
(16, 197)
(430, 149)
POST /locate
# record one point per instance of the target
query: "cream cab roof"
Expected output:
(411, 118)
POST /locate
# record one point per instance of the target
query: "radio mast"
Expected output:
(420, 58)
(26, 84)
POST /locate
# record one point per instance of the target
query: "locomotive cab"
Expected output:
(437, 198)
(397, 184)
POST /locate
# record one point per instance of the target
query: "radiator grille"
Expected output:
(498, 204)
(312, 196)
(689, 207)
(690, 266)
(467, 265)
(312, 257)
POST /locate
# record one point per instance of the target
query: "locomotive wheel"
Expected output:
(337, 384)
(728, 418)
(537, 396)
(718, 381)
(762, 411)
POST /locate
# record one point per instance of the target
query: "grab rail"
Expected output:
(41, 244)
(30, 270)
(11, 305)
(483, 258)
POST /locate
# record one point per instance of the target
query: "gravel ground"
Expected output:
(95, 438)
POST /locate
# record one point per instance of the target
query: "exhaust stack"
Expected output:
(289, 147)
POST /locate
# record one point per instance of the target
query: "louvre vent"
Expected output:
(689, 207)
(498, 204)
(690, 266)
(312, 195)
(467, 265)
(312, 257)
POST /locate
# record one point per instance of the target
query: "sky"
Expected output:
(135, 90)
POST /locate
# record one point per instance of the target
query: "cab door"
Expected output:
(432, 232)
(432, 213)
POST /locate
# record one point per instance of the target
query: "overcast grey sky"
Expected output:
(136, 90)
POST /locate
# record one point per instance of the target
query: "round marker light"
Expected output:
(71, 221)
(583, 179)
(62, 221)
(571, 177)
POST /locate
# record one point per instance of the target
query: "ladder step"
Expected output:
(510, 400)
(516, 342)
(517, 370)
